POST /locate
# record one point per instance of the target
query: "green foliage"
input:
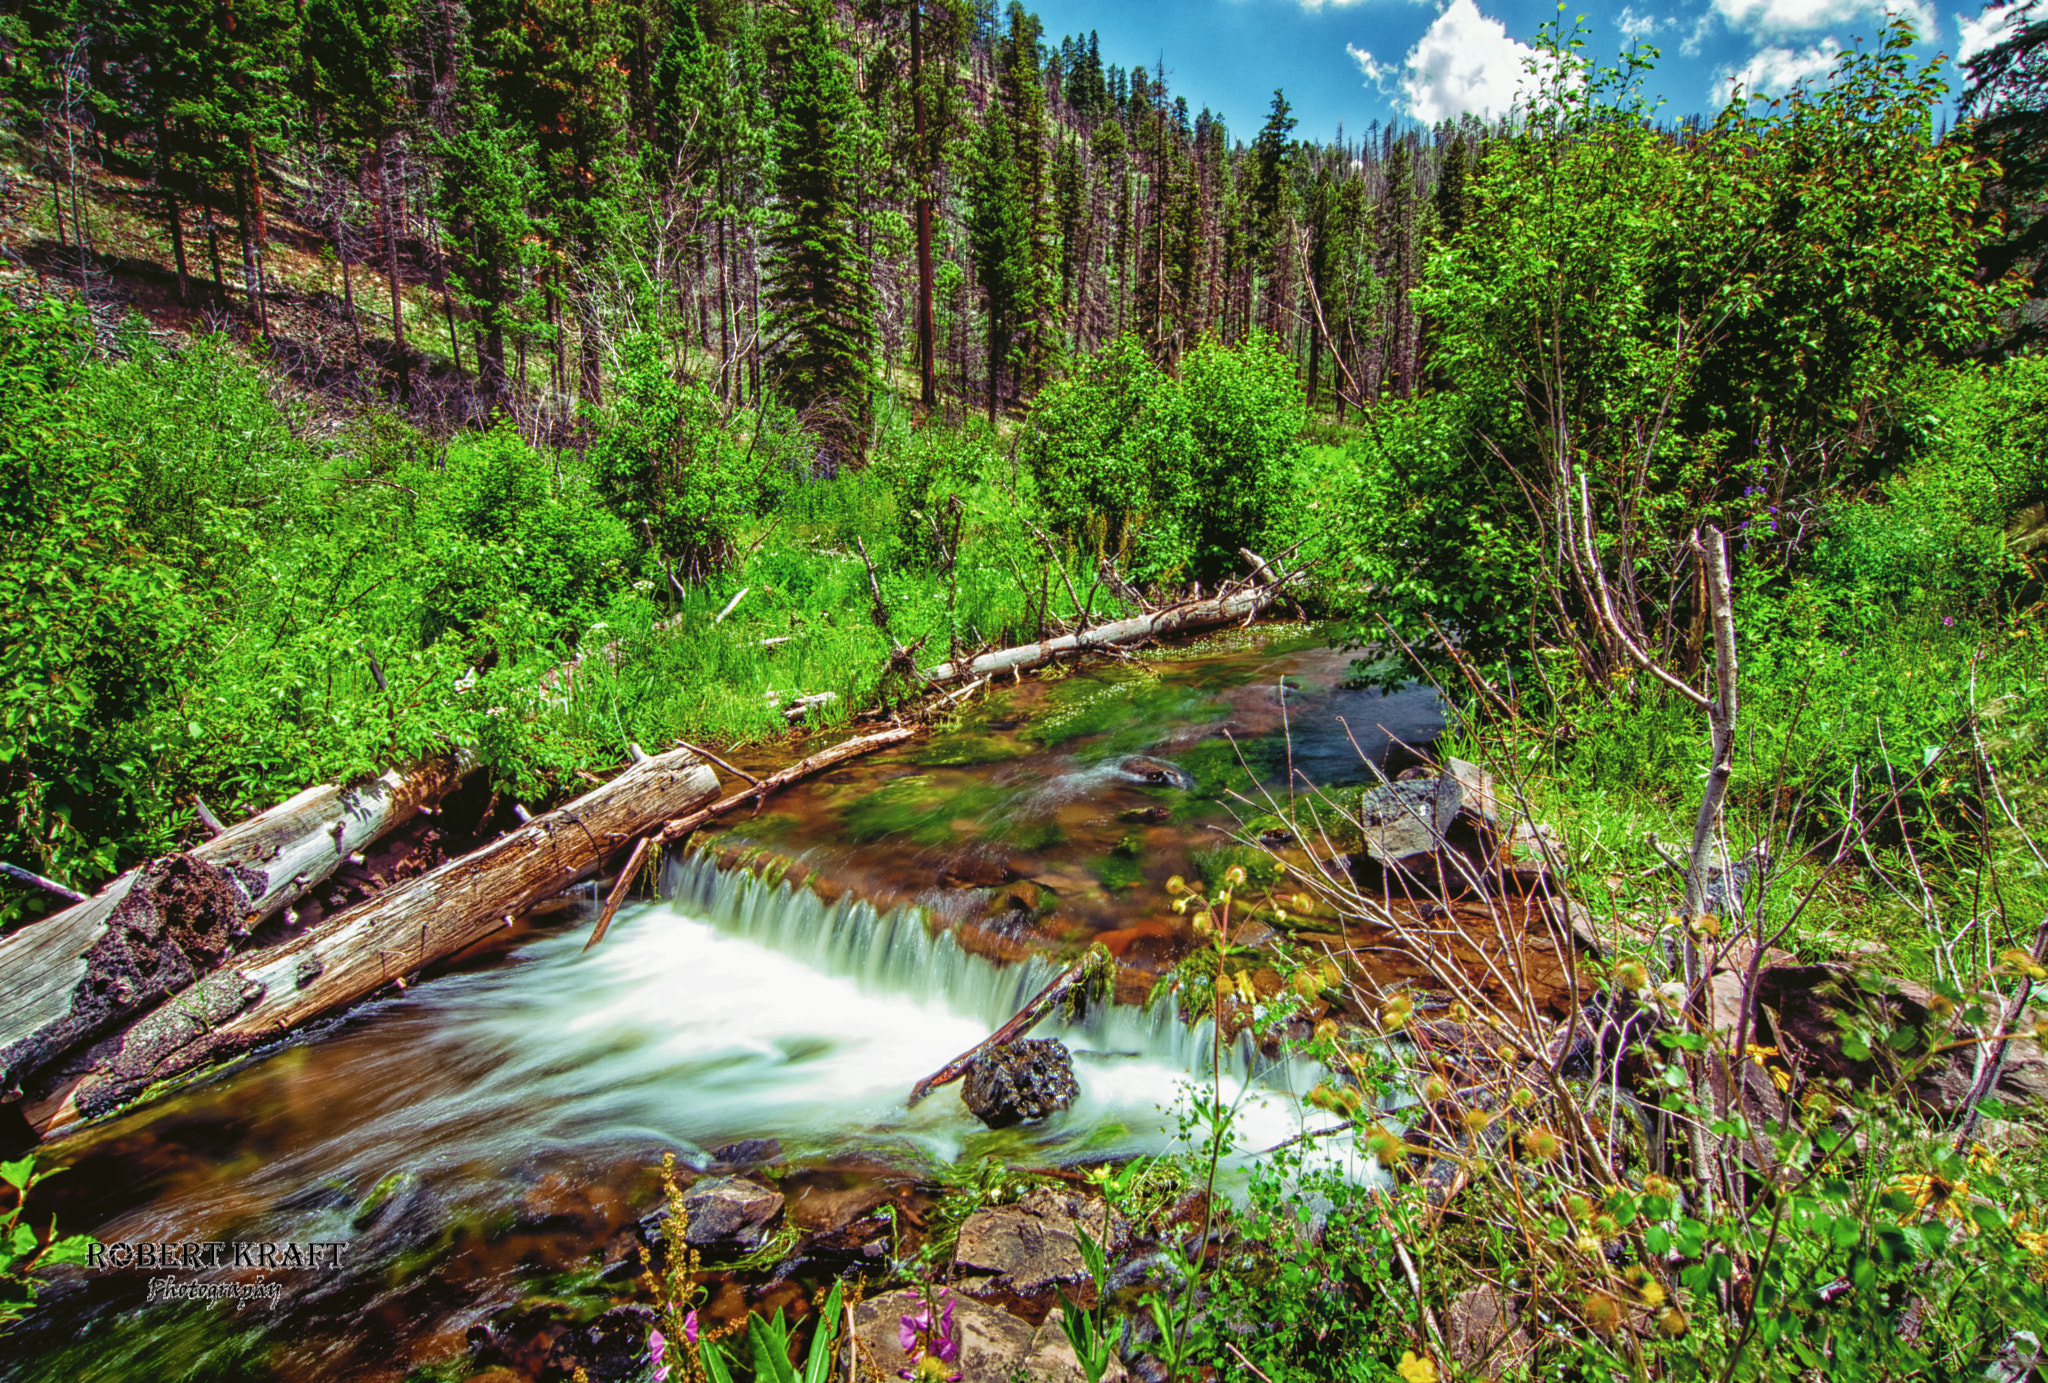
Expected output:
(664, 459)
(93, 636)
(821, 335)
(1174, 474)
(23, 1251)
(1934, 537)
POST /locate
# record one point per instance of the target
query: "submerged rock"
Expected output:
(611, 1349)
(1020, 1083)
(1141, 769)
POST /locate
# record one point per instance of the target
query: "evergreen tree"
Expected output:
(821, 325)
(488, 182)
(999, 227)
(1272, 153)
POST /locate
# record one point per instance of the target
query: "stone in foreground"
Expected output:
(1021, 1083)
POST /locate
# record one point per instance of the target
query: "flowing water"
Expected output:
(485, 1139)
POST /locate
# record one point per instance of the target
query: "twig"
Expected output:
(15, 871)
(618, 893)
(730, 606)
(707, 754)
(206, 816)
(1026, 1018)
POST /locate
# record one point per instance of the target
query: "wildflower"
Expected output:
(927, 1337)
(1385, 1147)
(643, 586)
(1603, 1313)
(1661, 1186)
(1414, 1369)
(495, 711)
(1436, 1088)
(599, 628)
(1542, 1144)
(690, 1328)
(657, 1345)
(1233, 876)
(1176, 885)
(1396, 1014)
(2018, 960)
(1631, 974)
(1947, 620)
(1780, 1077)
(2033, 1241)
(1671, 1322)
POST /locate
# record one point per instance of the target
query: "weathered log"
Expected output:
(1096, 962)
(264, 994)
(1199, 614)
(69, 976)
(802, 768)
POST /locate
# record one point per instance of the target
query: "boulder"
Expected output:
(1485, 1334)
(1810, 1007)
(1433, 832)
(1020, 1083)
(1032, 1247)
(1052, 1358)
(730, 1215)
(611, 1349)
(994, 1344)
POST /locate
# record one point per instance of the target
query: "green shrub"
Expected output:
(664, 458)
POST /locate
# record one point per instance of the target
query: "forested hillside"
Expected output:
(486, 202)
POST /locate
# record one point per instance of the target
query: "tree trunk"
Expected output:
(263, 994)
(220, 283)
(1200, 614)
(252, 284)
(67, 977)
(391, 213)
(259, 230)
(171, 216)
(928, 365)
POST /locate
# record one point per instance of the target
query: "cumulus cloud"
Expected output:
(1986, 30)
(1637, 26)
(1800, 16)
(1464, 62)
(1377, 74)
(1774, 71)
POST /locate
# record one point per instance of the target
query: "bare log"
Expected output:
(1096, 962)
(35, 880)
(1197, 614)
(264, 994)
(66, 978)
(802, 768)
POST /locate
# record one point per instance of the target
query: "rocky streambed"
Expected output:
(483, 1146)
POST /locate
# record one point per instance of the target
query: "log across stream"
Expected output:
(483, 1138)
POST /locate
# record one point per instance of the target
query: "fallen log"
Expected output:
(68, 977)
(1096, 962)
(264, 994)
(802, 768)
(1196, 614)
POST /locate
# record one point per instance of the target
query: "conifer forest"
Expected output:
(827, 690)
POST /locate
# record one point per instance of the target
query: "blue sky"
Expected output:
(1357, 61)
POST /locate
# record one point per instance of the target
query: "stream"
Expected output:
(489, 1138)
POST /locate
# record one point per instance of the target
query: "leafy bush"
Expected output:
(664, 458)
(1173, 475)
(499, 529)
(1934, 537)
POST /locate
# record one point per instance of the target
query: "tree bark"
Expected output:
(928, 365)
(262, 995)
(171, 216)
(391, 213)
(61, 979)
(1199, 614)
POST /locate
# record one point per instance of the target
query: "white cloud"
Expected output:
(1800, 16)
(1376, 74)
(1464, 62)
(1987, 29)
(1774, 71)
(1638, 26)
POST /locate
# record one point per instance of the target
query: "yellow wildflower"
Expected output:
(1414, 1369)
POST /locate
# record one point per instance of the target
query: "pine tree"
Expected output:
(821, 326)
(1273, 152)
(999, 227)
(488, 181)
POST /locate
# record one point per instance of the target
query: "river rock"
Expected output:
(1141, 769)
(1432, 832)
(994, 1345)
(1052, 1358)
(1485, 1334)
(1033, 1246)
(611, 1349)
(730, 1214)
(1020, 1083)
(1809, 1007)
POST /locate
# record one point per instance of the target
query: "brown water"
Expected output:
(482, 1144)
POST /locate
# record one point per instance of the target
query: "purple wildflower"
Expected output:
(690, 1328)
(930, 1342)
(657, 1345)
(1948, 619)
